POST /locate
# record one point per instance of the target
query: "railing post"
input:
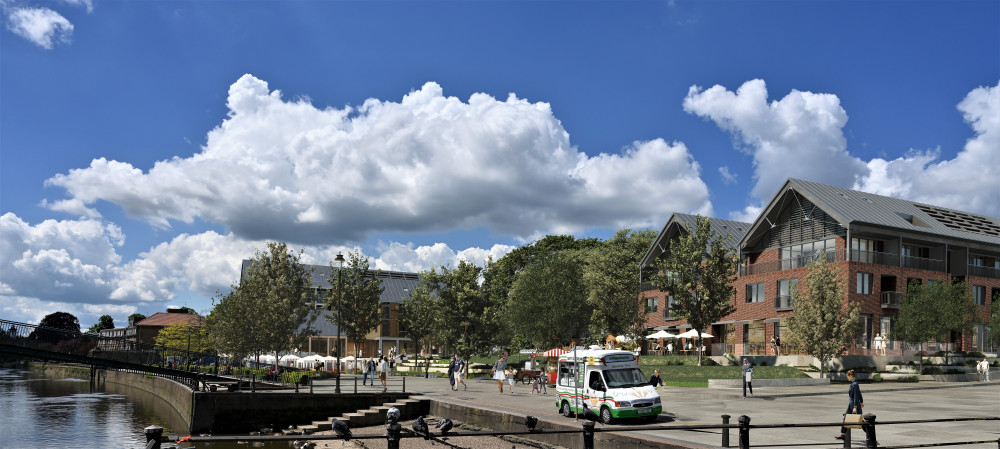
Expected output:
(847, 438)
(355, 384)
(404, 384)
(392, 431)
(311, 382)
(153, 435)
(869, 427)
(725, 431)
(588, 435)
(744, 421)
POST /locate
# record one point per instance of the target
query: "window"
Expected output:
(979, 295)
(864, 283)
(651, 304)
(801, 255)
(864, 336)
(755, 292)
(567, 372)
(668, 308)
(866, 245)
(787, 286)
(916, 251)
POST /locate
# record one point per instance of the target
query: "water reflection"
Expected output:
(49, 411)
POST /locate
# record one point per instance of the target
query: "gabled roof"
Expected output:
(730, 231)
(852, 206)
(396, 283)
(165, 319)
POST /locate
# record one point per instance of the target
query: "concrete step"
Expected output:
(322, 425)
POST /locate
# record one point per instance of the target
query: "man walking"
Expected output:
(985, 367)
(451, 373)
(371, 371)
(459, 373)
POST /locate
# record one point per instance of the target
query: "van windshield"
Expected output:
(623, 378)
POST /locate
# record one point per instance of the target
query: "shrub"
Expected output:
(876, 377)
(710, 362)
(975, 354)
(908, 379)
(763, 363)
(932, 370)
(971, 363)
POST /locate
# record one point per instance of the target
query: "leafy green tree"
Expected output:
(461, 307)
(268, 311)
(823, 327)
(613, 282)
(180, 335)
(136, 318)
(417, 316)
(548, 300)
(699, 272)
(994, 336)
(931, 312)
(60, 321)
(104, 322)
(357, 313)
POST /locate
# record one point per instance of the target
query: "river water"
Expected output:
(46, 411)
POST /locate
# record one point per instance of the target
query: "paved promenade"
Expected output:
(812, 404)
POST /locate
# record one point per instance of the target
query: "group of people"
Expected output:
(983, 369)
(501, 372)
(369, 368)
(669, 348)
(456, 373)
(880, 343)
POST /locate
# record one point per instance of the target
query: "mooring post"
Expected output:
(725, 431)
(153, 435)
(869, 426)
(311, 386)
(744, 421)
(404, 384)
(392, 430)
(588, 435)
(847, 438)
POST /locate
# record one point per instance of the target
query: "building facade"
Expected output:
(877, 244)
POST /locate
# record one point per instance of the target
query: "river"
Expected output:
(47, 411)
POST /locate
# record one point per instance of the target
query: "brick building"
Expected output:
(877, 244)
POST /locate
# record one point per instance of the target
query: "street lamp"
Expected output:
(340, 267)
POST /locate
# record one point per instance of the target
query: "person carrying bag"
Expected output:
(852, 417)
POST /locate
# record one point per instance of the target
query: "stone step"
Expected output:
(322, 425)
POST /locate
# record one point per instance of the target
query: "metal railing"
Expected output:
(923, 263)
(784, 303)
(394, 432)
(984, 272)
(892, 300)
(875, 257)
(789, 263)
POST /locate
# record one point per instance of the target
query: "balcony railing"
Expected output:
(789, 264)
(984, 272)
(922, 263)
(892, 300)
(783, 303)
(875, 257)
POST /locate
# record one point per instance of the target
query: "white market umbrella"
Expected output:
(623, 339)
(308, 362)
(692, 333)
(661, 334)
(288, 360)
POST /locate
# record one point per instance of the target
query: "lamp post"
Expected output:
(340, 267)
(189, 349)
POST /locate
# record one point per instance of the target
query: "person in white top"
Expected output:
(878, 344)
(985, 367)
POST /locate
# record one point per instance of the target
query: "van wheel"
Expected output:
(566, 411)
(605, 415)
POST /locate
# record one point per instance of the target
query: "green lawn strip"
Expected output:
(687, 384)
(701, 374)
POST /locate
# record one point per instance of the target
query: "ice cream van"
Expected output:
(607, 382)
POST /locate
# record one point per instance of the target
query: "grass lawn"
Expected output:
(691, 376)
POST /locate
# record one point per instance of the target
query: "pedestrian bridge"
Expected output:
(30, 341)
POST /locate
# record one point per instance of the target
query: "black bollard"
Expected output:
(588, 435)
(392, 431)
(847, 438)
(869, 427)
(725, 431)
(744, 421)
(153, 435)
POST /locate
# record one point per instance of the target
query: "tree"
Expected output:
(699, 272)
(994, 336)
(548, 304)
(359, 298)
(56, 327)
(930, 312)
(613, 282)
(268, 311)
(417, 315)
(823, 327)
(179, 335)
(135, 318)
(104, 322)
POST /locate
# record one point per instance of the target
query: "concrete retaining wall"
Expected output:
(796, 382)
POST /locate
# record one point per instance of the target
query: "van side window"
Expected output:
(595, 382)
(566, 375)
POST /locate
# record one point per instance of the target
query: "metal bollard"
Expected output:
(725, 431)
(869, 427)
(404, 384)
(392, 431)
(847, 438)
(588, 435)
(744, 421)
(355, 384)
(154, 434)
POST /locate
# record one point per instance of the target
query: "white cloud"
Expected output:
(287, 170)
(968, 182)
(400, 257)
(32, 310)
(42, 26)
(727, 176)
(788, 138)
(89, 4)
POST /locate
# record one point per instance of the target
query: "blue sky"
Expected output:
(147, 147)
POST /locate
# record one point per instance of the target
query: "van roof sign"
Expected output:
(612, 358)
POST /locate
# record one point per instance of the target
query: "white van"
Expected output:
(608, 382)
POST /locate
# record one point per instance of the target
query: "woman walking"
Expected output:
(459, 374)
(856, 401)
(747, 378)
(499, 371)
(385, 370)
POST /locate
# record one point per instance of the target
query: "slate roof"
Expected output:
(852, 206)
(396, 283)
(165, 319)
(731, 231)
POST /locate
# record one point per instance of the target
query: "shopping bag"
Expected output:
(852, 420)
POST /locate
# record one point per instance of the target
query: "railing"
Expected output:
(875, 257)
(784, 303)
(892, 300)
(789, 264)
(984, 272)
(923, 263)
(395, 433)
(647, 287)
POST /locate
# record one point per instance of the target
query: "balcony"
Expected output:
(984, 272)
(783, 303)
(875, 257)
(922, 263)
(892, 300)
(788, 264)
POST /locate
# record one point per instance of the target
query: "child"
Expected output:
(534, 386)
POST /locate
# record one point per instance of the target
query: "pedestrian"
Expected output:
(460, 373)
(534, 386)
(747, 377)
(383, 374)
(655, 379)
(856, 402)
(364, 373)
(451, 373)
(777, 344)
(774, 346)
(371, 372)
(878, 344)
(670, 348)
(979, 371)
(511, 373)
(986, 369)
(499, 371)
(543, 380)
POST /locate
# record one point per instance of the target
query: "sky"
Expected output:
(147, 147)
